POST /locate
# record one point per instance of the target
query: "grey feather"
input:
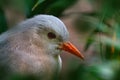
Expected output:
(25, 49)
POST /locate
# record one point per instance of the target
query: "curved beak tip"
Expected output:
(69, 47)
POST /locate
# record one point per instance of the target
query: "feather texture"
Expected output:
(26, 49)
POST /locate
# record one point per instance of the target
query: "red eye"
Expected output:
(51, 35)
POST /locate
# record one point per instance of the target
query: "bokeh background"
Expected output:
(94, 27)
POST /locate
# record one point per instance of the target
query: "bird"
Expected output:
(33, 47)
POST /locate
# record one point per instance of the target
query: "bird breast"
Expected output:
(30, 59)
(44, 67)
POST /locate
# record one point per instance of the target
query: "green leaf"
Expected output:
(52, 7)
(109, 42)
(107, 8)
(38, 2)
(89, 41)
(40, 8)
(59, 6)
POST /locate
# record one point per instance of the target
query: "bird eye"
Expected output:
(51, 35)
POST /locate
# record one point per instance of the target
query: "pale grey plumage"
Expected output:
(26, 48)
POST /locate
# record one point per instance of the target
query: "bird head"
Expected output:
(53, 35)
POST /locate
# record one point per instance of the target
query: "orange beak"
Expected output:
(69, 47)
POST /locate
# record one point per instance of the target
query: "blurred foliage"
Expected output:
(3, 22)
(103, 24)
(21, 77)
(103, 71)
(53, 7)
(33, 7)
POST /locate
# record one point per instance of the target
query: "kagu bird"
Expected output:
(34, 46)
